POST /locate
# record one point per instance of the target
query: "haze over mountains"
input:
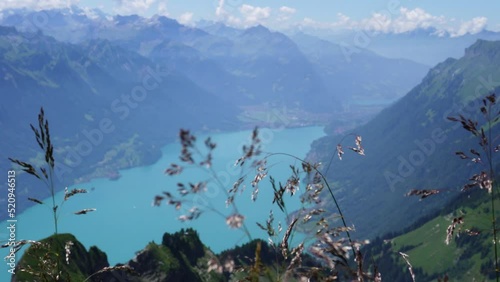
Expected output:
(98, 93)
(118, 88)
(95, 69)
(427, 46)
(234, 54)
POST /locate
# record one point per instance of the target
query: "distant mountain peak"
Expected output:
(123, 20)
(258, 29)
(163, 20)
(218, 28)
(262, 32)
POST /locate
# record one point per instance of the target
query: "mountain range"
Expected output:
(233, 56)
(102, 99)
(96, 71)
(427, 46)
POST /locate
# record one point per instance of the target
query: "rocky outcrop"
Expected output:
(54, 259)
(180, 257)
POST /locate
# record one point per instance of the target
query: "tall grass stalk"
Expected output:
(484, 180)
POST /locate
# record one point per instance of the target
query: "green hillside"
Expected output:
(411, 144)
(61, 257)
(468, 257)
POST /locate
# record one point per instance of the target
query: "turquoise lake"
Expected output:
(125, 220)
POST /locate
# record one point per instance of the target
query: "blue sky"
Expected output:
(454, 16)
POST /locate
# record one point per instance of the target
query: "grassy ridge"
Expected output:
(467, 257)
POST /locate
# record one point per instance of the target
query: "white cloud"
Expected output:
(234, 21)
(186, 18)
(285, 14)
(417, 18)
(254, 15)
(343, 22)
(128, 7)
(287, 10)
(399, 21)
(219, 11)
(308, 22)
(405, 20)
(90, 13)
(224, 16)
(248, 15)
(473, 26)
(37, 4)
(378, 22)
(162, 9)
